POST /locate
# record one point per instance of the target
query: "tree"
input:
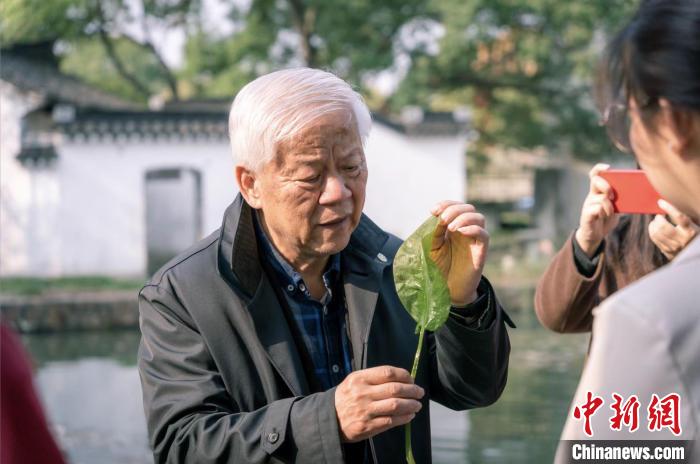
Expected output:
(32, 21)
(525, 68)
(351, 38)
(120, 27)
(99, 38)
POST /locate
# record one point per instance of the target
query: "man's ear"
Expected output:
(249, 186)
(678, 127)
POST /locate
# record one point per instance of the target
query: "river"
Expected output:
(90, 388)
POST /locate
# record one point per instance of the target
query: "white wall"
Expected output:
(86, 214)
(102, 204)
(408, 175)
(23, 196)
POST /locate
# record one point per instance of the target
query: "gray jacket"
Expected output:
(223, 382)
(646, 342)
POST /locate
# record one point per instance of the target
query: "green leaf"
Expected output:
(420, 285)
(423, 291)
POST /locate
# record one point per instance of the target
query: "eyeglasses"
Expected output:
(617, 123)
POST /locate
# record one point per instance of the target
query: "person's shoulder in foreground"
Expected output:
(646, 345)
(667, 299)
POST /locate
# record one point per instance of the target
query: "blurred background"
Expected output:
(114, 158)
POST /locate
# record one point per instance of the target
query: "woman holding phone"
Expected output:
(646, 342)
(605, 254)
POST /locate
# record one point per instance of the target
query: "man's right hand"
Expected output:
(373, 400)
(597, 214)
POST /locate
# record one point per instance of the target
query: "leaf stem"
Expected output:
(416, 358)
(414, 371)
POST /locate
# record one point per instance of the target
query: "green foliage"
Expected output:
(128, 65)
(529, 68)
(29, 286)
(87, 59)
(219, 67)
(350, 38)
(29, 21)
(359, 37)
(524, 68)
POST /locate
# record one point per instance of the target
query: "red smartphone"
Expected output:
(633, 191)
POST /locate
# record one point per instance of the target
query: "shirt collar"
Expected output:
(285, 270)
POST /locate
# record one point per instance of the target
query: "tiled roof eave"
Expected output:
(141, 137)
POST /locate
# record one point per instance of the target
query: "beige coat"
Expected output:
(647, 341)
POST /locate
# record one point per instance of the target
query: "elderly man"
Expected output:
(280, 337)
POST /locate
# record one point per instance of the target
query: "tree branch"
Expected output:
(304, 21)
(119, 65)
(148, 45)
(114, 57)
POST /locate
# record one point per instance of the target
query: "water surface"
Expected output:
(90, 387)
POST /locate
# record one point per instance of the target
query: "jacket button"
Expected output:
(272, 437)
(381, 257)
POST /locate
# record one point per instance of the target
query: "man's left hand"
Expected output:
(459, 248)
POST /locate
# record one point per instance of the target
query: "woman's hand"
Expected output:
(671, 237)
(597, 214)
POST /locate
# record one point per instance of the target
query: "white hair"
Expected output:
(274, 107)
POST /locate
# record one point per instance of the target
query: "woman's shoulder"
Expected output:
(667, 298)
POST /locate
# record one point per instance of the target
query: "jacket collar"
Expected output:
(239, 260)
(363, 262)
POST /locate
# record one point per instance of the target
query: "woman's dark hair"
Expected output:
(630, 250)
(656, 55)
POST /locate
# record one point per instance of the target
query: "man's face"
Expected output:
(313, 191)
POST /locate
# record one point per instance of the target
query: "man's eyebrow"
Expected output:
(304, 161)
(309, 158)
(354, 150)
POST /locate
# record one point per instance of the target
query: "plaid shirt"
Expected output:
(322, 324)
